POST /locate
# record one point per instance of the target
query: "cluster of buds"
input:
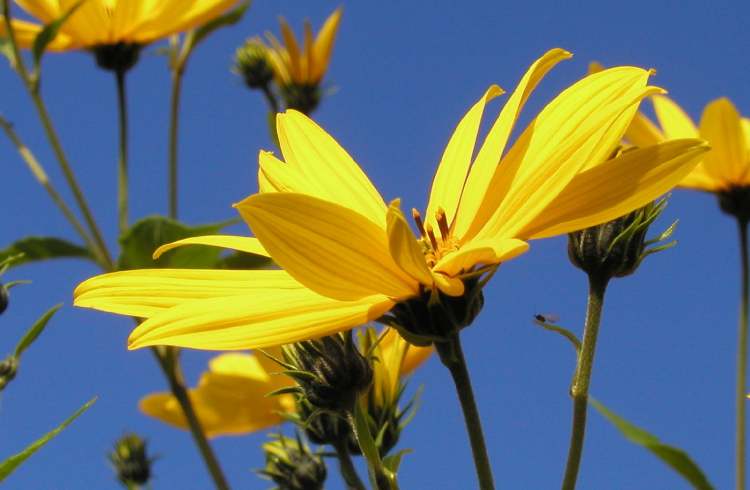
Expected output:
(291, 464)
(131, 461)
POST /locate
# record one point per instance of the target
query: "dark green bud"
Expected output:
(130, 460)
(322, 426)
(8, 370)
(735, 201)
(616, 248)
(330, 371)
(302, 97)
(251, 62)
(119, 57)
(3, 299)
(292, 466)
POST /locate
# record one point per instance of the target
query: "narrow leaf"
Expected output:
(49, 33)
(567, 334)
(393, 462)
(674, 457)
(9, 465)
(35, 249)
(228, 19)
(36, 329)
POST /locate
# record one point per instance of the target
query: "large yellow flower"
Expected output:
(109, 22)
(728, 133)
(231, 397)
(349, 258)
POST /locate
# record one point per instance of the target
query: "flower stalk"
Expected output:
(122, 165)
(741, 444)
(346, 467)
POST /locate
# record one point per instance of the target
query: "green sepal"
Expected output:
(9, 465)
(36, 249)
(36, 329)
(674, 457)
(48, 34)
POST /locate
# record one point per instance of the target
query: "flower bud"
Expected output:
(119, 57)
(130, 460)
(735, 201)
(8, 370)
(323, 427)
(330, 372)
(3, 298)
(292, 466)
(252, 63)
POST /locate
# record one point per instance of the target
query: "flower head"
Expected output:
(231, 397)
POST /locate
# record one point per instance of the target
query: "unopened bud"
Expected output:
(130, 460)
(291, 465)
(8, 370)
(252, 63)
(3, 298)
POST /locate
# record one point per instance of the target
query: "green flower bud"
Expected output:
(616, 248)
(302, 97)
(735, 201)
(119, 57)
(8, 370)
(252, 63)
(3, 299)
(130, 460)
(324, 427)
(292, 466)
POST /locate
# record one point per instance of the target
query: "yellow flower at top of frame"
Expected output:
(349, 258)
(109, 22)
(231, 397)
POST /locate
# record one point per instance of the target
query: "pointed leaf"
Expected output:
(569, 336)
(228, 19)
(35, 249)
(49, 33)
(393, 462)
(674, 457)
(36, 329)
(9, 465)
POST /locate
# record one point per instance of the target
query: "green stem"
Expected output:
(452, 356)
(380, 477)
(346, 467)
(582, 379)
(167, 358)
(742, 361)
(174, 113)
(122, 165)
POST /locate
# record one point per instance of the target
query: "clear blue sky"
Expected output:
(404, 73)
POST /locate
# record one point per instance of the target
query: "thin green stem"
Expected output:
(741, 407)
(32, 87)
(167, 358)
(174, 119)
(122, 165)
(452, 356)
(346, 467)
(582, 379)
(380, 478)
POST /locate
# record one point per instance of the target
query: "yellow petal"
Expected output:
(239, 364)
(494, 145)
(700, 179)
(721, 126)
(642, 132)
(617, 187)
(323, 45)
(44, 10)
(240, 243)
(454, 165)
(330, 249)
(293, 49)
(259, 320)
(323, 167)
(481, 252)
(403, 246)
(167, 17)
(26, 32)
(674, 122)
(579, 128)
(90, 23)
(146, 292)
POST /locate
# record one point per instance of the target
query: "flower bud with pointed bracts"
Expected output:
(292, 465)
(252, 63)
(130, 460)
(8, 370)
(119, 57)
(322, 426)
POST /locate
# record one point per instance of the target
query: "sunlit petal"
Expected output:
(240, 243)
(481, 252)
(721, 126)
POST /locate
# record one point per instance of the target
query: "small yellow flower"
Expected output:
(230, 398)
(109, 22)
(727, 165)
(306, 64)
(394, 360)
(348, 258)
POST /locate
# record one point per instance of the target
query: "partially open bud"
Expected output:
(252, 63)
(3, 298)
(130, 460)
(291, 465)
(119, 57)
(735, 201)
(8, 370)
(616, 248)
(331, 372)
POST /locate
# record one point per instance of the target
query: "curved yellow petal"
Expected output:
(403, 246)
(494, 144)
(674, 122)
(146, 292)
(239, 364)
(721, 126)
(617, 187)
(578, 129)
(241, 243)
(699, 179)
(26, 32)
(454, 165)
(44, 10)
(168, 17)
(262, 319)
(331, 249)
(293, 49)
(325, 168)
(323, 45)
(480, 252)
(642, 132)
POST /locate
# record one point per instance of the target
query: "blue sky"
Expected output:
(403, 74)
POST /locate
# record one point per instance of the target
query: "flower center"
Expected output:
(435, 247)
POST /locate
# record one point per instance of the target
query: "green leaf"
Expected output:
(145, 236)
(393, 462)
(35, 249)
(242, 260)
(9, 465)
(36, 329)
(6, 49)
(541, 321)
(49, 33)
(228, 19)
(674, 457)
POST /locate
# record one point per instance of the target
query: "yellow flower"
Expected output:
(727, 165)
(230, 397)
(394, 360)
(109, 22)
(306, 64)
(349, 258)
